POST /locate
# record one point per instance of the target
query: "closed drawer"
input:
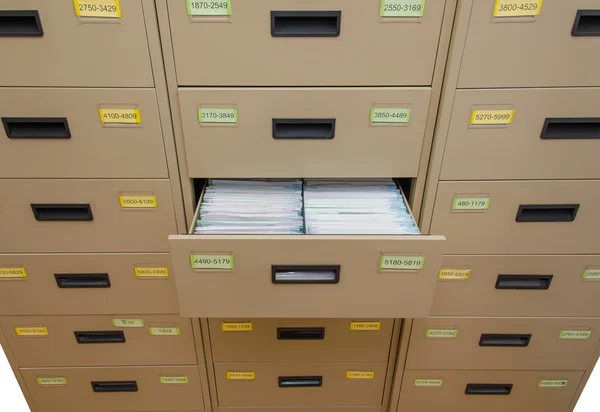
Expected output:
(307, 132)
(304, 409)
(525, 217)
(280, 340)
(300, 384)
(50, 45)
(565, 41)
(518, 286)
(150, 388)
(492, 391)
(554, 134)
(501, 343)
(86, 215)
(58, 133)
(317, 43)
(99, 340)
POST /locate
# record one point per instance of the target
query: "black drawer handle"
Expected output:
(306, 23)
(587, 23)
(488, 389)
(116, 336)
(62, 213)
(307, 274)
(82, 281)
(20, 23)
(300, 381)
(294, 129)
(571, 129)
(36, 127)
(505, 340)
(300, 333)
(524, 282)
(115, 386)
(547, 213)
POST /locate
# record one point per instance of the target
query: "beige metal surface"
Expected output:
(303, 409)
(495, 56)
(496, 231)
(112, 229)
(73, 51)
(93, 150)
(335, 390)
(297, 340)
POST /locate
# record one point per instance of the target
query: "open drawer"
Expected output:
(305, 276)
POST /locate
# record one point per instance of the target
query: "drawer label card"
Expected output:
(517, 8)
(492, 117)
(173, 380)
(392, 262)
(208, 115)
(360, 375)
(98, 8)
(51, 381)
(402, 8)
(588, 274)
(120, 116)
(240, 375)
(209, 8)
(138, 202)
(199, 261)
(575, 334)
(471, 203)
(441, 333)
(431, 383)
(128, 323)
(148, 272)
(454, 274)
(390, 115)
(31, 331)
(12, 273)
(553, 383)
(365, 325)
(164, 331)
(236, 326)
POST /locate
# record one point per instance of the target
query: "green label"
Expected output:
(591, 274)
(431, 383)
(471, 203)
(402, 8)
(391, 262)
(390, 115)
(575, 334)
(211, 261)
(209, 8)
(207, 115)
(441, 333)
(553, 383)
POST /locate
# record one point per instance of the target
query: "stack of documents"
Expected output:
(269, 206)
(356, 206)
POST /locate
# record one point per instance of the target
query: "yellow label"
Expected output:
(173, 380)
(120, 116)
(31, 331)
(138, 202)
(517, 8)
(391, 262)
(553, 383)
(98, 8)
(209, 8)
(471, 203)
(390, 115)
(207, 115)
(588, 274)
(240, 375)
(211, 261)
(8, 273)
(428, 382)
(164, 331)
(487, 117)
(51, 381)
(128, 323)
(360, 375)
(402, 8)
(574, 334)
(441, 333)
(365, 325)
(236, 327)
(158, 272)
(454, 274)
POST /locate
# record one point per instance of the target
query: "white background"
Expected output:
(13, 400)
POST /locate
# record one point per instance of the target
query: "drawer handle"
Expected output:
(571, 129)
(116, 336)
(488, 389)
(547, 213)
(306, 23)
(307, 274)
(115, 386)
(62, 213)
(36, 127)
(524, 282)
(20, 23)
(303, 128)
(587, 23)
(82, 281)
(300, 333)
(505, 340)
(300, 381)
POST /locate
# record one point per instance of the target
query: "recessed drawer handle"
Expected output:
(82, 281)
(505, 340)
(300, 333)
(115, 386)
(306, 23)
(62, 213)
(488, 389)
(300, 381)
(547, 213)
(116, 336)
(571, 129)
(305, 274)
(20, 23)
(295, 129)
(524, 282)
(36, 127)
(587, 23)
